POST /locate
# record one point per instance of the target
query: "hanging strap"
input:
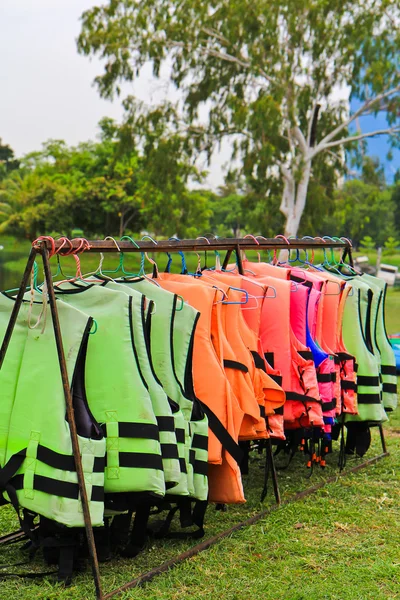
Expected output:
(388, 370)
(233, 364)
(222, 434)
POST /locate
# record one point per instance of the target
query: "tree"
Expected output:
(33, 203)
(8, 162)
(396, 202)
(264, 72)
(134, 178)
(363, 210)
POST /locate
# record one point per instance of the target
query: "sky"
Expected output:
(46, 87)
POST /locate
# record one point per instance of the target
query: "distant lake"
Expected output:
(10, 279)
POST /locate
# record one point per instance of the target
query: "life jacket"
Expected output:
(185, 323)
(118, 396)
(261, 269)
(213, 390)
(324, 362)
(357, 338)
(326, 330)
(233, 354)
(249, 318)
(171, 346)
(346, 362)
(169, 341)
(238, 361)
(162, 408)
(38, 468)
(381, 344)
(285, 352)
(328, 334)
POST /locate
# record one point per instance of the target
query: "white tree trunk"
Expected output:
(294, 200)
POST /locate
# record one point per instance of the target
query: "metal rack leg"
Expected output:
(72, 425)
(227, 259)
(17, 305)
(383, 441)
(270, 458)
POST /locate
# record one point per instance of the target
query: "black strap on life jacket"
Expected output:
(358, 438)
(388, 370)
(368, 398)
(138, 537)
(233, 364)
(306, 354)
(368, 380)
(140, 430)
(326, 377)
(199, 466)
(348, 385)
(222, 434)
(189, 517)
(390, 388)
(325, 406)
(269, 357)
(258, 361)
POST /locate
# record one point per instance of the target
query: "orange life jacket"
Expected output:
(268, 392)
(237, 360)
(213, 390)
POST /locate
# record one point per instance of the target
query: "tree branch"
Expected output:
(129, 219)
(299, 137)
(342, 162)
(361, 136)
(364, 107)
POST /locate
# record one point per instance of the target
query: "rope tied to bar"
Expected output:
(43, 311)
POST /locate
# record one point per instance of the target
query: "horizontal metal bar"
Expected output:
(196, 245)
(169, 564)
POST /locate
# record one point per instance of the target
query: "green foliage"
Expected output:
(360, 210)
(118, 184)
(396, 202)
(367, 243)
(8, 162)
(391, 245)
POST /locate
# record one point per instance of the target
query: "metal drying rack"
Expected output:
(46, 247)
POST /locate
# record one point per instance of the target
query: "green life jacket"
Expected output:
(382, 347)
(357, 339)
(117, 393)
(38, 468)
(185, 321)
(159, 399)
(171, 341)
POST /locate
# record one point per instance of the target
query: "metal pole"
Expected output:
(270, 458)
(227, 259)
(383, 441)
(17, 305)
(239, 259)
(72, 425)
(197, 245)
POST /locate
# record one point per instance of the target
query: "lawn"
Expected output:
(392, 310)
(341, 542)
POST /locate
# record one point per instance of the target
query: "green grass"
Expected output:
(392, 310)
(341, 542)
